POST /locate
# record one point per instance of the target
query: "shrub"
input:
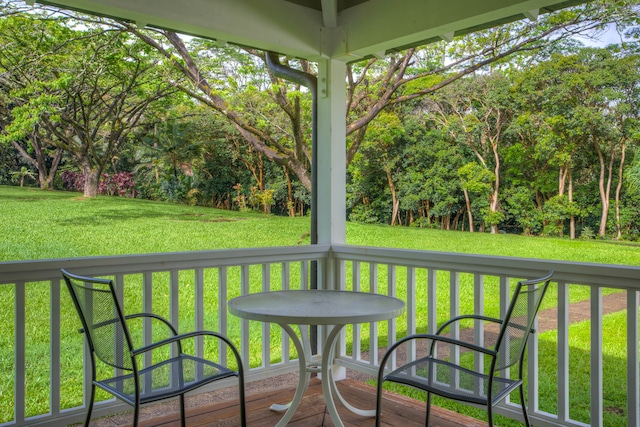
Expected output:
(119, 184)
(587, 233)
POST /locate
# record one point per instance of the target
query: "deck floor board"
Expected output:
(397, 411)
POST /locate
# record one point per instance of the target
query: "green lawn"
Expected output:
(42, 225)
(39, 224)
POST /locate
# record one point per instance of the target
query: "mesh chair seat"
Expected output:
(431, 374)
(163, 380)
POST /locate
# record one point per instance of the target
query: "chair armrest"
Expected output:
(467, 317)
(166, 329)
(153, 316)
(179, 338)
(435, 338)
(134, 316)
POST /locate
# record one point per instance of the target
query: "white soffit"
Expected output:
(340, 29)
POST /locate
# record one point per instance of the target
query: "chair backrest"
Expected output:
(518, 322)
(102, 319)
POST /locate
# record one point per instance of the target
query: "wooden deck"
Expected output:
(397, 411)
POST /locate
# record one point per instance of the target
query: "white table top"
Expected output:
(316, 307)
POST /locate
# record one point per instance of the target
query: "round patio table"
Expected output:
(316, 307)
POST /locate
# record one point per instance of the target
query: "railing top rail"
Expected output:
(609, 275)
(10, 272)
(620, 276)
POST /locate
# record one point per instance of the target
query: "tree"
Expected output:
(475, 180)
(578, 104)
(380, 148)
(428, 185)
(626, 114)
(550, 129)
(476, 113)
(89, 88)
(34, 143)
(23, 173)
(372, 85)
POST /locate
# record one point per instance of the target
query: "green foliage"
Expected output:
(587, 233)
(521, 207)
(74, 86)
(21, 175)
(476, 179)
(547, 112)
(261, 200)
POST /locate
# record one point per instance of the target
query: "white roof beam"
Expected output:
(330, 13)
(274, 25)
(365, 29)
(369, 28)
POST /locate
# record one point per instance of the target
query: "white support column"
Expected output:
(331, 152)
(331, 176)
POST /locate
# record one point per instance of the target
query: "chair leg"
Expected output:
(136, 415)
(490, 413)
(524, 407)
(92, 394)
(378, 403)
(183, 417)
(243, 404)
(428, 411)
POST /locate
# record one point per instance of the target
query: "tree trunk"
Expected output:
(394, 199)
(91, 180)
(572, 217)
(291, 207)
(494, 208)
(605, 189)
(563, 177)
(427, 211)
(469, 214)
(619, 190)
(45, 175)
(494, 205)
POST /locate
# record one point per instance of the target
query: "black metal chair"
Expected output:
(149, 373)
(483, 381)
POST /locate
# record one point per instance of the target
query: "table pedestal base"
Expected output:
(329, 389)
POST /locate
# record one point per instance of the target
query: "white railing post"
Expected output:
(223, 321)
(266, 327)
(374, 349)
(454, 332)
(478, 330)
(147, 307)
(198, 302)
(563, 351)
(244, 328)
(20, 353)
(55, 347)
(357, 329)
(410, 311)
(596, 356)
(432, 310)
(633, 373)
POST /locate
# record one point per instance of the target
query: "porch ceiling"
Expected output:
(345, 30)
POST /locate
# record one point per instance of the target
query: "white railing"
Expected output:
(192, 289)
(473, 281)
